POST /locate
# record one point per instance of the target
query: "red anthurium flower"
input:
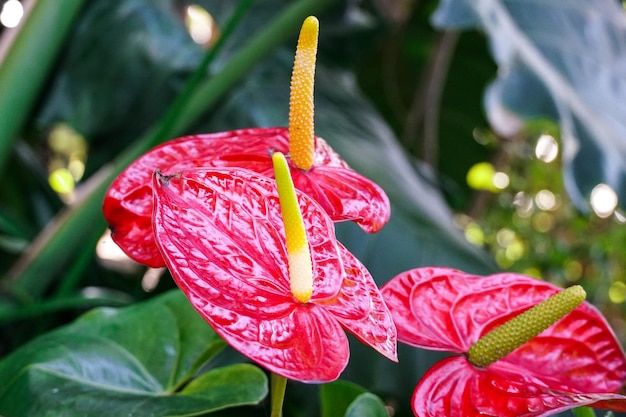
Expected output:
(316, 169)
(575, 362)
(222, 236)
(342, 192)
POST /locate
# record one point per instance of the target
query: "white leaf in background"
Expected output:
(563, 60)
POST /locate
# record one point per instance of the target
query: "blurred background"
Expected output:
(492, 162)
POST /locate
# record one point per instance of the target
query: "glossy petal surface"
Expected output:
(221, 234)
(421, 301)
(576, 361)
(453, 387)
(343, 193)
(360, 308)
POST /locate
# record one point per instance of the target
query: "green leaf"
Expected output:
(367, 405)
(559, 60)
(41, 35)
(147, 56)
(139, 360)
(336, 397)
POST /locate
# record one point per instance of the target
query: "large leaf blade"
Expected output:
(336, 397)
(367, 405)
(112, 362)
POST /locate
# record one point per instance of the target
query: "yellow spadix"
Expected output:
(299, 255)
(301, 132)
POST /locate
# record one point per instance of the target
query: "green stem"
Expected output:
(584, 412)
(22, 76)
(56, 305)
(278, 384)
(53, 248)
(72, 278)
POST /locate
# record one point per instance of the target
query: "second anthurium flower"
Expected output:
(222, 235)
(527, 348)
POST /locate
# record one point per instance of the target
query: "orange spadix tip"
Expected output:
(298, 253)
(301, 108)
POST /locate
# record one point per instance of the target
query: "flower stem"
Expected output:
(277, 391)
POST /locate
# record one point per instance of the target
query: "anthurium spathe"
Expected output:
(575, 362)
(222, 236)
(316, 169)
(342, 192)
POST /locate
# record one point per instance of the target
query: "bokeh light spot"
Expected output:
(573, 270)
(547, 148)
(617, 292)
(111, 256)
(543, 222)
(201, 25)
(500, 180)
(61, 181)
(505, 237)
(523, 204)
(533, 272)
(12, 13)
(480, 177)
(603, 200)
(546, 200)
(503, 260)
(515, 250)
(474, 234)
(66, 164)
